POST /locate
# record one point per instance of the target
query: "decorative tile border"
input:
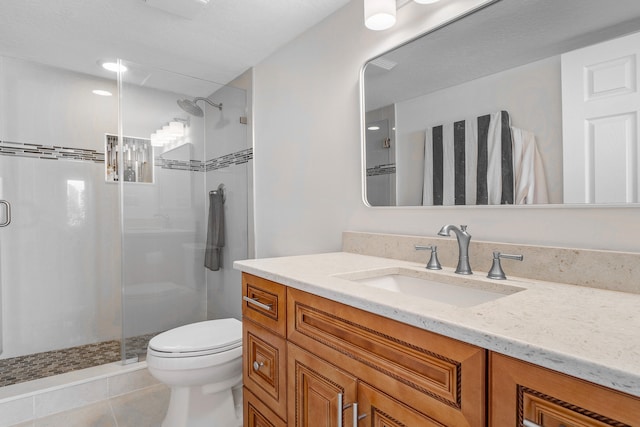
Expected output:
(183, 165)
(222, 162)
(53, 152)
(382, 170)
(227, 160)
(49, 152)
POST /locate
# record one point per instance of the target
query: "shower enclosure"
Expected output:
(108, 205)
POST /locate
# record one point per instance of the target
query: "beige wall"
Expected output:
(308, 154)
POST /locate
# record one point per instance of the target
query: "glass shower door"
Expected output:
(59, 263)
(162, 181)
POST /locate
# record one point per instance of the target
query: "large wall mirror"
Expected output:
(520, 102)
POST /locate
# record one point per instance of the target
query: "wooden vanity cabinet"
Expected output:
(403, 375)
(521, 391)
(310, 362)
(264, 358)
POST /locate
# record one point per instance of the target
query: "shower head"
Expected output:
(192, 108)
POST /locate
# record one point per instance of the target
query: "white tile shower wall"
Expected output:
(51, 106)
(224, 292)
(59, 256)
(228, 142)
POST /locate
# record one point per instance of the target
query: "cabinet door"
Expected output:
(257, 414)
(524, 393)
(320, 394)
(440, 377)
(376, 409)
(265, 367)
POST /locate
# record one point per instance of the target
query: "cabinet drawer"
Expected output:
(521, 391)
(264, 302)
(441, 377)
(265, 366)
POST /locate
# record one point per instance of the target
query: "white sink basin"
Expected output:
(463, 291)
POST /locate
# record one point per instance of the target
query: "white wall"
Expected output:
(538, 82)
(308, 156)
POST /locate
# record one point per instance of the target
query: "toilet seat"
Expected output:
(198, 339)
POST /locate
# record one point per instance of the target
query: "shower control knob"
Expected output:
(257, 366)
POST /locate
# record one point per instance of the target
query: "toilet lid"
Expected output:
(211, 336)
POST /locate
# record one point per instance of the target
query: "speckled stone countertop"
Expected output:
(589, 333)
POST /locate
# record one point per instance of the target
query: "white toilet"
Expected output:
(202, 364)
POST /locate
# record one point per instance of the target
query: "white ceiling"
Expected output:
(504, 35)
(225, 38)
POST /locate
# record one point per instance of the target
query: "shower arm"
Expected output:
(208, 101)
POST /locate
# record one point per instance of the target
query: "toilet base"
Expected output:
(199, 407)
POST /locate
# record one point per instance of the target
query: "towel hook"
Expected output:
(220, 190)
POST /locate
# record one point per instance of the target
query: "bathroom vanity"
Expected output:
(324, 348)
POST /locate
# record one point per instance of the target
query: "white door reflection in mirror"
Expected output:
(600, 104)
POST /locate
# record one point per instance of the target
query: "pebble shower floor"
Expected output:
(40, 365)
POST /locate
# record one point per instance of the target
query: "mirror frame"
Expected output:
(363, 130)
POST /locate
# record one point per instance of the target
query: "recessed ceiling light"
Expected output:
(101, 92)
(373, 128)
(114, 66)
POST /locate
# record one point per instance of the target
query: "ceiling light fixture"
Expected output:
(101, 92)
(381, 14)
(113, 66)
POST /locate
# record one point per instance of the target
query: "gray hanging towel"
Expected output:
(215, 231)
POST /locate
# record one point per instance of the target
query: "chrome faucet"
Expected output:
(463, 246)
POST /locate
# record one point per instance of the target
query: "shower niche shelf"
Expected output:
(137, 159)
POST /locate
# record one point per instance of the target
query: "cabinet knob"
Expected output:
(257, 366)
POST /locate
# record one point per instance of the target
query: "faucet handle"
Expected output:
(433, 263)
(496, 271)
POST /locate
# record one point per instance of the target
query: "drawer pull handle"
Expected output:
(257, 303)
(527, 423)
(340, 410)
(357, 417)
(257, 366)
(342, 407)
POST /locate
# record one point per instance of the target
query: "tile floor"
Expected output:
(112, 395)
(141, 408)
